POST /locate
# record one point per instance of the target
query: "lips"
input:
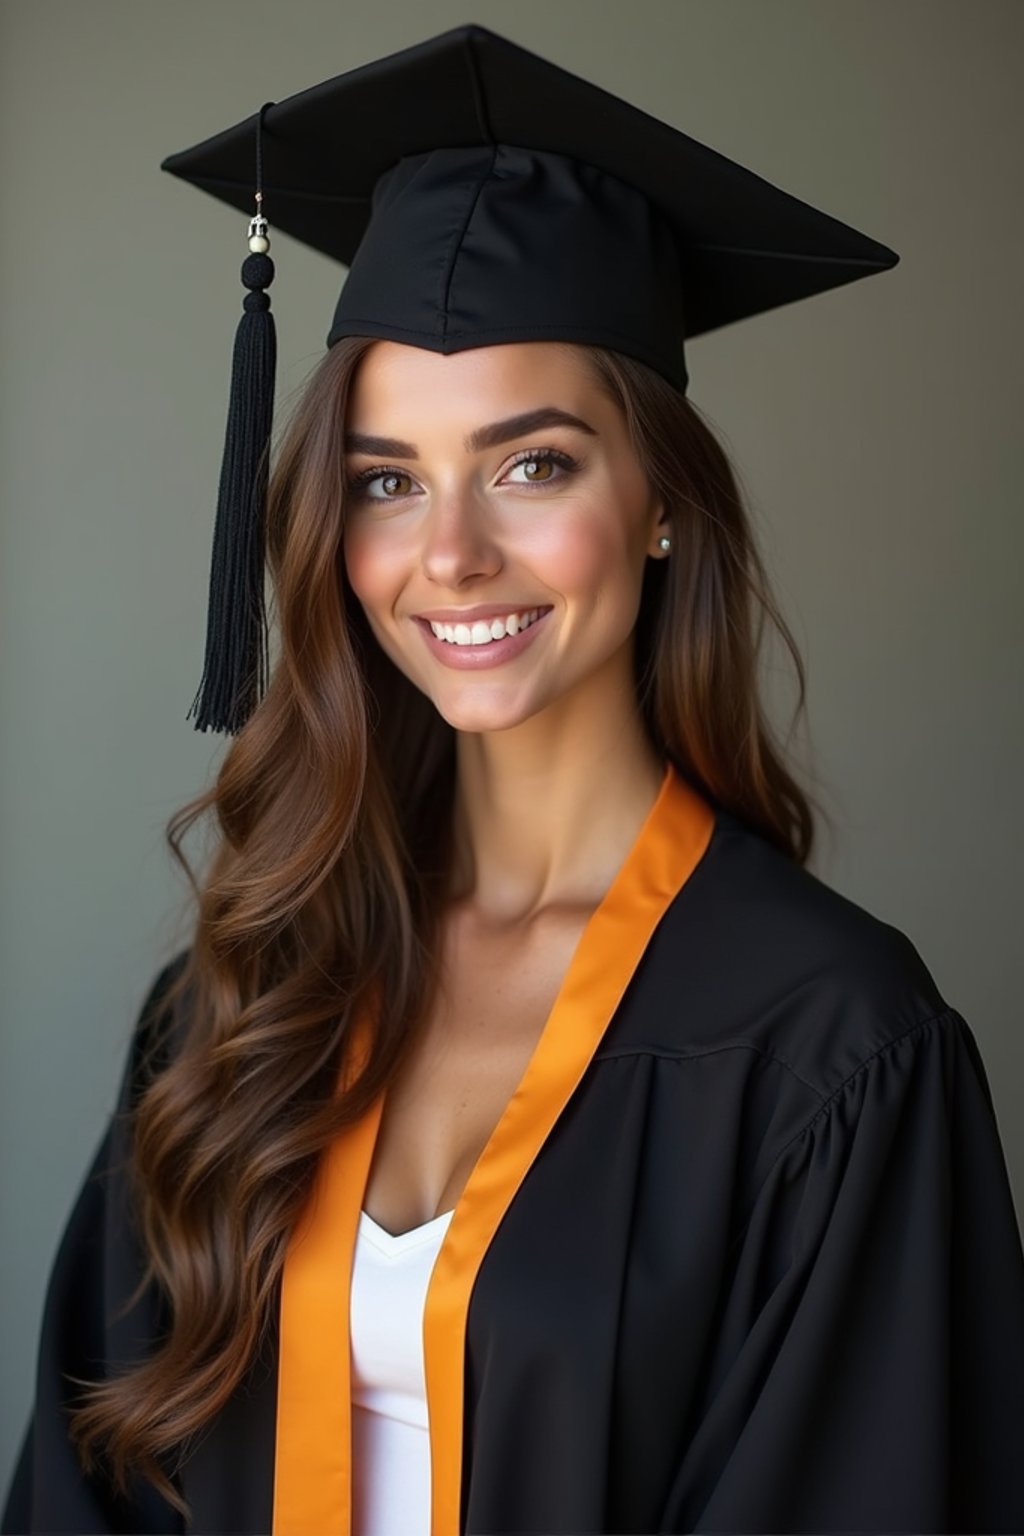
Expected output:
(474, 654)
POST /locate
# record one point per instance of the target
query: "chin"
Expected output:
(480, 715)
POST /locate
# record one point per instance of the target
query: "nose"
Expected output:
(458, 545)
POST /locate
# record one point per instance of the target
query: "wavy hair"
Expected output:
(332, 836)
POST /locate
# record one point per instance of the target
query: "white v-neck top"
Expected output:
(390, 1432)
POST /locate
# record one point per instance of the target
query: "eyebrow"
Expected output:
(483, 437)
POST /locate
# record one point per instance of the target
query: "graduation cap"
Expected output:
(480, 194)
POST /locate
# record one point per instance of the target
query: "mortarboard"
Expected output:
(480, 194)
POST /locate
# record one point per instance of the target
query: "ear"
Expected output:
(660, 529)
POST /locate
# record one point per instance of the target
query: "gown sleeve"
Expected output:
(98, 1265)
(868, 1374)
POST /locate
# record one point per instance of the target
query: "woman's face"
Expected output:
(497, 525)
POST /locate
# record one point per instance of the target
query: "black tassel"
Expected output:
(236, 662)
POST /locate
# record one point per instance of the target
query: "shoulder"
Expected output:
(756, 950)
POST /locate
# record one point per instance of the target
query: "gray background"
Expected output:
(876, 430)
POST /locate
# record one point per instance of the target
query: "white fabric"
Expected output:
(390, 1433)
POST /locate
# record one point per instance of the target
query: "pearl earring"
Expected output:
(665, 543)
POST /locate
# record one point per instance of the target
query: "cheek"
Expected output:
(589, 559)
(370, 567)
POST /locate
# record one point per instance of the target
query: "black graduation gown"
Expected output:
(742, 1252)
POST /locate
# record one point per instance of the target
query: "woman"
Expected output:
(527, 1141)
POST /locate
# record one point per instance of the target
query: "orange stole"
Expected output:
(313, 1457)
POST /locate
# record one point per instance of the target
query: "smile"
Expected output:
(484, 643)
(483, 632)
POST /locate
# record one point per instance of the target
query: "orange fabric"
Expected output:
(312, 1461)
(312, 1489)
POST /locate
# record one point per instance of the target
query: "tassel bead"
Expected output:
(257, 271)
(259, 230)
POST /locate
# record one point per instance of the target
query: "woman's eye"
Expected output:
(536, 461)
(359, 485)
(538, 465)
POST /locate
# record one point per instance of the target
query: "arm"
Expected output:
(870, 1375)
(98, 1265)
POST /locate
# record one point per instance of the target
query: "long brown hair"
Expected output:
(332, 812)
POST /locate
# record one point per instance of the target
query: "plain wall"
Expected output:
(876, 429)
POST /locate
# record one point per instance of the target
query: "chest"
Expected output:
(498, 987)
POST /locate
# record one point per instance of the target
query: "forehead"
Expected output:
(395, 380)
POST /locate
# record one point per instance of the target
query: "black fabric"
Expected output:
(765, 1274)
(480, 193)
(452, 258)
(85, 1331)
(236, 658)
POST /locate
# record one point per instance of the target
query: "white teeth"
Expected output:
(482, 632)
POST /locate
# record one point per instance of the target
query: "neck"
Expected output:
(546, 811)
